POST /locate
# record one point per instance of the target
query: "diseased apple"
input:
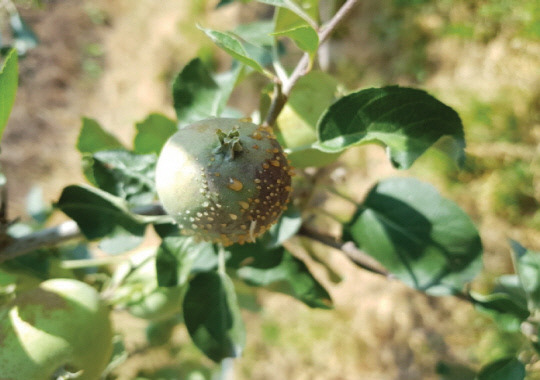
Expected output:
(224, 180)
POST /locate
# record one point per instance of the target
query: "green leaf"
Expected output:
(227, 81)
(194, 92)
(36, 206)
(509, 368)
(93, 138)
(297, 123)
(406, 120)
(304, 36)
(234, 47)
(118, 356)
(212, 316)
(102, 215)
(127, 175)
(226, 2)
(120, 241)
(454, 371)
(159, 333)
(425, 240)
(280, 271)
(286, 227)
(24, 38)
(152, 133)
(528, 270)
(173, 261)
(312, 94)
(177, 255)
(257, 40)
(205, 255)
(8, 87)
(511, 285)
(197, 95)
(291, 21)
(256, 33)
(307, 9)
(505, 310)
(36, 263)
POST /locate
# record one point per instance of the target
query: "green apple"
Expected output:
(60, 325)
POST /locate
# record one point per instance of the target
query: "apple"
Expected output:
(60, 325)
(224, 180)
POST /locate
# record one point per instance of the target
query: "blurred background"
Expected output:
(114, 60)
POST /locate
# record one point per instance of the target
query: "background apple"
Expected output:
(62, 323)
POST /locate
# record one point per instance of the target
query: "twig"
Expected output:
(40, 239)
(348, 249)
(278, 102)
(329, 27)
(303, 66)
(361, 259)
(299, 71)
(52, 236)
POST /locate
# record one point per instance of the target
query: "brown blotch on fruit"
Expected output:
(235, 184)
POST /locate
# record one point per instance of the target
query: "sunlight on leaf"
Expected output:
(233, 46)
(93, 138)
(102, 215)
(406, 120)
(198, 95)
(152, 133)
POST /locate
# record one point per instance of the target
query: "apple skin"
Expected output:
(62, 323)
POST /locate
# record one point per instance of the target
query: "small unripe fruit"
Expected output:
(61, 324)
(224, 180)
